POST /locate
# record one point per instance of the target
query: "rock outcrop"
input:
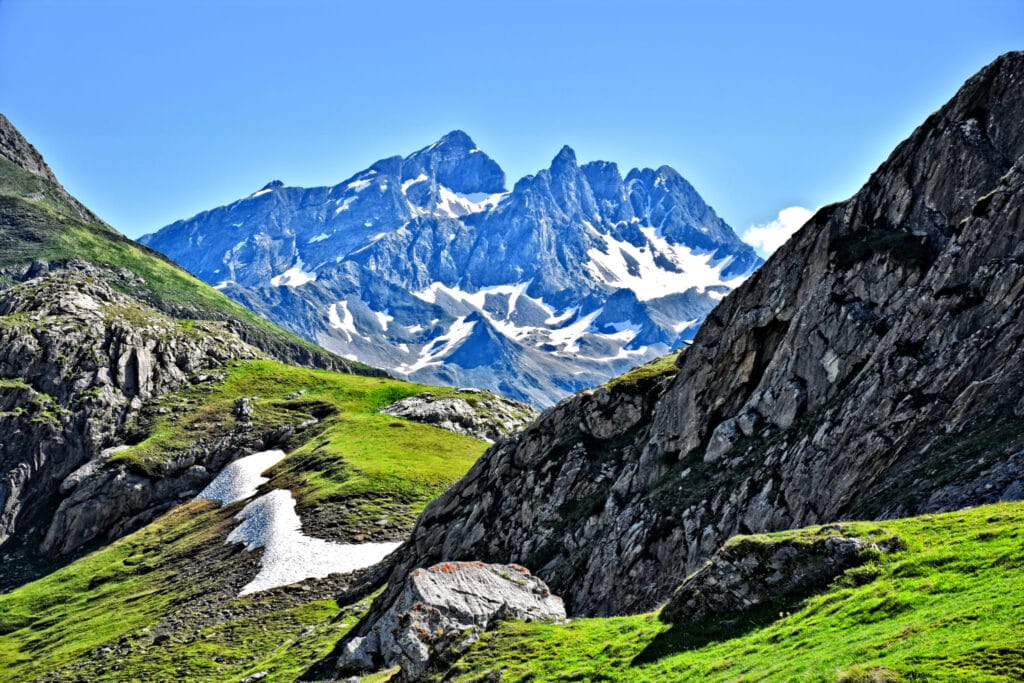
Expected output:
(78, 361)
(442, 610)
(479, 414)
(94, 329)
(750, 572)
(873, 367)
(103, 501)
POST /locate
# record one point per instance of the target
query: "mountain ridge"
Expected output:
(385, 265)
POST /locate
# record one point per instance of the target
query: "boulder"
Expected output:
(479, 414)
(443, 609)
(751, 571)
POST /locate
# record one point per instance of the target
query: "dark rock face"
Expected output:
(871, 368)
(77, 362)
(428, 267)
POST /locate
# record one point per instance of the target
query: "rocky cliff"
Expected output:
(79, 361)
(871, 368)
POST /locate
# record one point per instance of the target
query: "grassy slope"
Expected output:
(664, 367)
(116, 595)
(364, 465)
(356, 458)
(35, 224)
(949, 608)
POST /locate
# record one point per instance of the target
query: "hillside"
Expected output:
(162, 602)
(945, 608)
(126, 385)
(43, 227)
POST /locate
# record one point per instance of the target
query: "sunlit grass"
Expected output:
(949, 608)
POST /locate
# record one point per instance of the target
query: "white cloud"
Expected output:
(770, 236)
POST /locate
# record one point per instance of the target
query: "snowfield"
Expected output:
(270, 522)
(289, 556)
(240, 479)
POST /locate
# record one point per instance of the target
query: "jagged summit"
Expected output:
(391, 265)
(456, 139)
(566, 156)
(456, 163)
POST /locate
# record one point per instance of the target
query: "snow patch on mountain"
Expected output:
(359, 185)
(383, 319)
(340, 319)
(436, 350)
(241, 479)
(457, 204)
(289, 556)
(623, 265)
(293, 277)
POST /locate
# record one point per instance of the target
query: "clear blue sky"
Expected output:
(151, 110)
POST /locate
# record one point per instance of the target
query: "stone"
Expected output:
(444, 608)
(244, 409)
(482, 415)
(752, 571)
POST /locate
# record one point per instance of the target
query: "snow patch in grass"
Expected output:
(289, 556)
(240, 479)
(293, 277)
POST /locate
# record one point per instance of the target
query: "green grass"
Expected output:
(96, 599)
(948, 608)
(16, 182)
(375, 472)
(115, 596)
(356, 465)
(659, 368)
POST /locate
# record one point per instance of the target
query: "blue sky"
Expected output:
(152, 111)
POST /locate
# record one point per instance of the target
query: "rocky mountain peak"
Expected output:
(426, 266)
(272, 185)
(15, 148)
(456, 140)
(457, 163)
(565, 157)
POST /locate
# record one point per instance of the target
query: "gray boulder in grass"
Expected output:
(445, 608)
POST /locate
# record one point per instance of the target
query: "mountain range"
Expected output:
(429, 267)
(827, 484)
